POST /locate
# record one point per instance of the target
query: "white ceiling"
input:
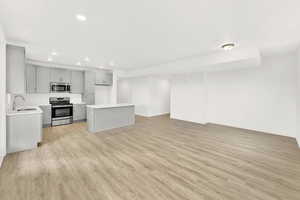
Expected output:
(143, 33)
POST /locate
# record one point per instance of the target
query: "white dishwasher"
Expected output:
(24, 129)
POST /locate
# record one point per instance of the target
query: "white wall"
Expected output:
(102, 94)
(150, 95)
(298, 98)
(160, 96)
(188, 98)
(140, 95)
(2, 95)
(107, 94)
(124, 91)
(262, 98)
(214, 60)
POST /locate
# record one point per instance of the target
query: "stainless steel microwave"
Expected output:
(60, 87)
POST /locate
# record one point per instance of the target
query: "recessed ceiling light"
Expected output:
(78, 63)
(54, 53)
(81, 17)
(228, 46)
(87, 59)
(111, 63)
(50, 59)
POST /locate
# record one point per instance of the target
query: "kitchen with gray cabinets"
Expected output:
(34, 82)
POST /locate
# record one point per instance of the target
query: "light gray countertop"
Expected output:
(25, 112)
(110, 105)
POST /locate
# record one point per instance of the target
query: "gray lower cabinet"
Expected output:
(42, 80)
(46, 114)
(30, 78)
(79, 112)
(77, 82)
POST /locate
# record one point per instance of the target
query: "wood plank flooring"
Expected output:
(157, 158)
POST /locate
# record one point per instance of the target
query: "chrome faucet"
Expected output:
(15, 98)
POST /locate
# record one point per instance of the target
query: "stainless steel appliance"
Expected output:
(60, 87)
(62, 111)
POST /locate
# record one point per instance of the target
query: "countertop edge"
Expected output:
(109, 106)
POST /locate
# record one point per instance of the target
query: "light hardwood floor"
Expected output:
(155, 159)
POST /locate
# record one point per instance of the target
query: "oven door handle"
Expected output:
(62, 106)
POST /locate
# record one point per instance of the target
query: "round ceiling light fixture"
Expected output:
(111, 63)
(78, 63)
(50, 59)
(81, 17)
(228, 46)
(87, 59)
(53, 53)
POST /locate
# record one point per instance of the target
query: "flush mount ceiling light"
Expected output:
(50, 59)
(111, 63)
(87, 59)
(228, 46)
(53, 53)
(81, 17)
(78, 63)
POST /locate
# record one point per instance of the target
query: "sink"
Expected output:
(26, 109)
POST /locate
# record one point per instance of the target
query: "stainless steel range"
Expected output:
(62, 111)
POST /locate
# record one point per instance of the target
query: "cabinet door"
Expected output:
(46, 114)
(79, 112)
(109, 78)
(103, 77)
(42, 80)
(15, 73)
(77, 82)
(60, 75)
(89, 82)
(30, 78)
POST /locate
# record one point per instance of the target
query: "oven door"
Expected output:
(61, 112)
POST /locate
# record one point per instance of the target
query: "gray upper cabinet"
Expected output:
(89, 82)
(77, 82)
(39, 78)
(30, 78)
(43, 80)
(104, 77)
(60, 75)
(15, 73)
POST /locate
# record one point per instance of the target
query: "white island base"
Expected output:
(105, 117)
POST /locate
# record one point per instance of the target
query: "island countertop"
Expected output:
(110, 105)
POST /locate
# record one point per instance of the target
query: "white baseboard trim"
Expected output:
(159, 114)
(1, 160)
(188, 120)
(152, 115)
(298, 141)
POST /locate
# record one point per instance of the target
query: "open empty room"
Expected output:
(149, 100)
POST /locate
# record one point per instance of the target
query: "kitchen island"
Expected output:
(109, 116)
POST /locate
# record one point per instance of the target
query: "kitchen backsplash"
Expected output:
(40, 99)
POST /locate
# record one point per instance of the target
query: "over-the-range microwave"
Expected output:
(60, 87)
